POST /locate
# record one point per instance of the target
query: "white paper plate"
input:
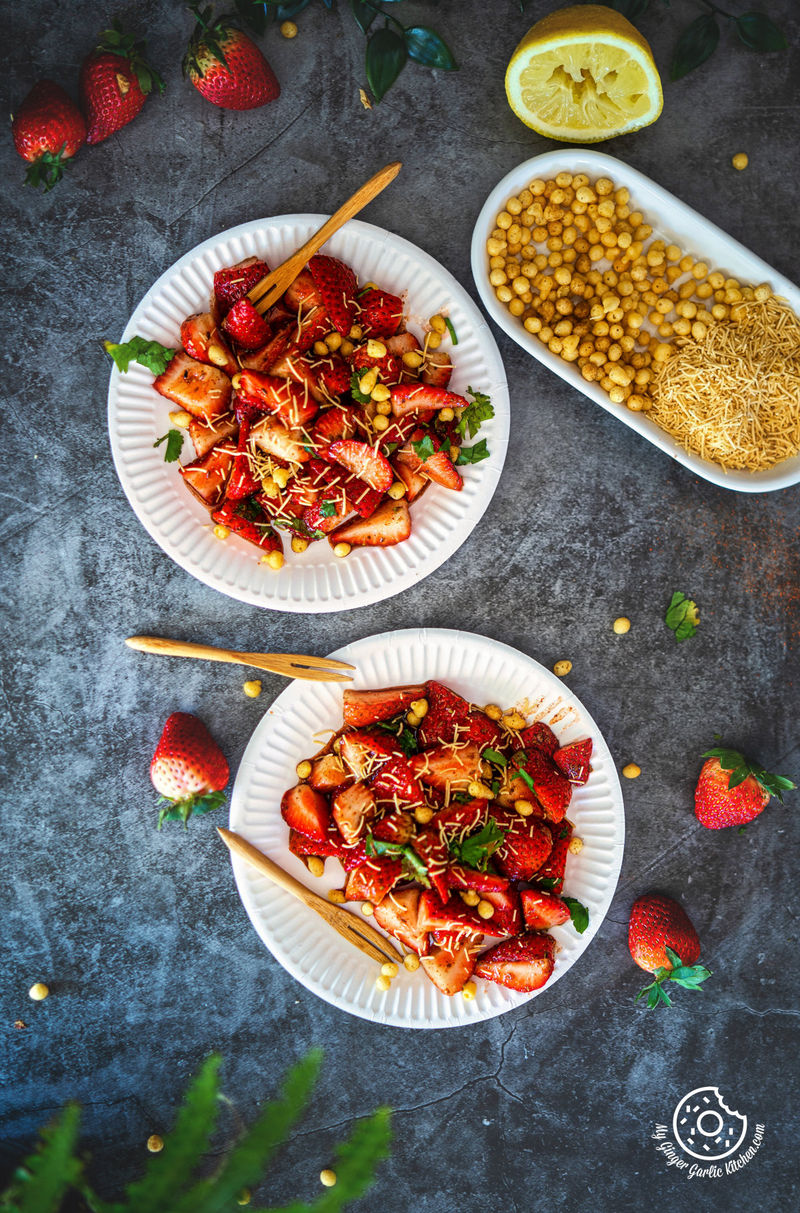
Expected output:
(316, 580)
(672, 221)
(485, 671)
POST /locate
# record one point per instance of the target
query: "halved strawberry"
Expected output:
(398, 913)
(456, 766)
(205, 435)
(526, 846)
(396, 781)
(390, 524)
(306, 810)
(275, 395)
(303, 293)
(450, 914)
(373, 879)
(327, 773)
(459, 876)
(337, 286)
(573, 760)
(368, 707)
(352, 855)
(363, 461)
(241, 483)
(298, 370)
(309, 327)
(204, 391)
(553, 791)
(539, 736)
(440, 468)
(331, 425)
(507, 917)
(402, 343)
(276, 439)
(197, 334)
(301, 844)
(363, 751)
(461, 819)
(234, 282)
(434, 854)
(406, 472)
(207, 476)
(381, 314)
(446, 711)
(245, 325)
(412, 397)
(395, 827)
(551, 874)
(542, 910)
(398, 433)
(267, 355)
(450, 968)
(388, 366)
(479, 728)
(248, 520)
(326, 514)
(333, 374)
(437, 369)
(523, 963)
(353, 807)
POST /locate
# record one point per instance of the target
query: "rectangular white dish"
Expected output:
(672, 221)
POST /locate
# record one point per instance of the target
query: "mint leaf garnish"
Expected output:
(682, 616)
(174, 441)
(474, 415)
(578, 913)
(151, 354)
(476, 850)
(473, 454)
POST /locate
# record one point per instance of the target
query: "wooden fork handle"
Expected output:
(369, 190)
(240, 846)
(182, 648)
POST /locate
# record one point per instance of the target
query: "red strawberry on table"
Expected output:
(663, 941)
(732, 790)
(225, 66)
(115, 82)
(48, 129)
(188, 769)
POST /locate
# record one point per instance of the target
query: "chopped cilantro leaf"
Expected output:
(682, 616)
(411, 861)
(476, 850)
(526, 777)
(474, 415)
(327, 509)
(545, 882)
(174, 441)
(424, 448)
(494, 756)
(389, 448)
(250, 510)
(400, 730)
(578, 913)
(355, 390)
(451, 330)
(473, 454)
(152, 354)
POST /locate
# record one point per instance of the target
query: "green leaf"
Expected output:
(696, 44)
(475, 414)
(690, 978)
(43, 1179)
(363, 14)
(451, 330)
(740, 767)
(404, 736)
(473, 454)
(476, 850)
(632, 9)
(328, 509)
(245, 1165)
(386, 58)
(523, 774)
(673, 958)
(402, 850)
(682, 616)
(494, 756)
(578, 913)
(192, 806)
(355, 390)
(152, 354)
(174, 441)
(425, 46)
(253, 14)
(424, 448)
(759, 33)
(545, 882)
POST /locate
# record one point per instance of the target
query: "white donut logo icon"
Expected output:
(705, 1127)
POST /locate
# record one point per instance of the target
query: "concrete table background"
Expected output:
(141, 937)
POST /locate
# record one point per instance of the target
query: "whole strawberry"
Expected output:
(226, 66)
(663, 941)
(115, 82)
(48, 129)
(732, 790)
(188, 769)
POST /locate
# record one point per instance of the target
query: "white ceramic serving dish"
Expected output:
(316, 580)
(671, 220)
(484, 671)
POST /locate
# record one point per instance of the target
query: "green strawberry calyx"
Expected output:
(690, 977)
(182, 810)
(207, 40)
(115, 41)
(740, 767)
(47, 170)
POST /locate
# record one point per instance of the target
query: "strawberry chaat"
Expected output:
(449, 821)
(324, 418)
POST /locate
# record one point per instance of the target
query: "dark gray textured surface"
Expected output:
(141, 937)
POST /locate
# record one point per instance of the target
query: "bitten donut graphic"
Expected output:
(705, 1127)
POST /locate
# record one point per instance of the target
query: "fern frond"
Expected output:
(42, 1180)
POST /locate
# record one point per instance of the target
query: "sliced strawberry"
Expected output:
(337, 286)
(398, 913)
(507, 917)
(301, 844)
(368, 707)
(204, 391)
(456, 766)
(327, 772)
(390, 524)
(395, 827)
(402, 343)
(450, 914)
(303, 293)
(306, 810)
(363, 461)
(267, 355)
(342, 486)
(326, 514)
(234, 282)
(398, 433)
(198, 332)
(450, 969)
(396, 781)
(553, 791)
(207, 477)
(461, 819)
(275, 395)
(249, 520)
(459, 876)
(277, 440)
(353, 855)
(440, 468)
(542, 910)
(246, 326)
(353, 807)
(298, 370)
(480, 729)
(437, 369)
(389, 367)
(406, 472)
(412, 397)
(364, 751)
(539, 736)
(373, 879)
(333, 375)
(573, 760)
(381, 314)
(434, 854)
(204, 436)
(446, 712)
(330, 426)
(523, 963)
(551, 874)
(309, 327)
(526, 846)
(242, 482)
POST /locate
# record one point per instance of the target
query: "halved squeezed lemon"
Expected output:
(583, 74)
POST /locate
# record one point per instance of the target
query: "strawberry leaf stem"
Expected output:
(690, 977)
(192, 806)
(740, 768)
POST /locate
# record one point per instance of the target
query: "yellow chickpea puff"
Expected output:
(420, 707)
(333, 341)
(438, 323)
(380, 423)
(299, 544)
(631, 771)
(315, 865)
(562, 667)
(252, 688)
(336, 896)
(38, 991)
(485, 909)
(281, 476)
(180, 418)
(396, 491)
(470, 897)
(368, 381)
(383, 983)
(621, 625)
(341, 550)
(575, 845)
(740, 161)
(327, 1178)
(469, 991)
(423, 814)
(273, 560)
(413, 719)
(514, 720)
(479, 791)
(523, 807)
(381, 392)
(155, 1144)
(220, 531)
(412, 359)
(288, 29)
(411, 962)
(376, 349)
(367, 908)
(303, 769)
(390, 969)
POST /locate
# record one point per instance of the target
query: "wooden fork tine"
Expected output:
(357, 940)
(315, 663)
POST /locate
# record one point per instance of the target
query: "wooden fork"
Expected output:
(354, 930)
(291, 665)
(269, 289)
